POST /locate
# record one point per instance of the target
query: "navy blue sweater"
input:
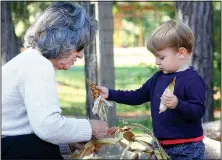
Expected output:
(182, 122)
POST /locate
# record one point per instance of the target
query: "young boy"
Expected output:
(178, 129)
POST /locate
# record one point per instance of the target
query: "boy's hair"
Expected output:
(174, 34)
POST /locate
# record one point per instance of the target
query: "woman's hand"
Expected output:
(99, 128)
(103, 91)
(112, 130)
(76, 146)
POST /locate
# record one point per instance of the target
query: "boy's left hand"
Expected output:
(169, 100)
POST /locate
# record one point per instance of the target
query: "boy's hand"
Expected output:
(104, 92)
(169, 100)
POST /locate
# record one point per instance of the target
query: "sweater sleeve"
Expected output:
(133, 97)
(194, 107)
(44, 113)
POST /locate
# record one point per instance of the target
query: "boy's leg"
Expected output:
(194, 150)
(28, 147)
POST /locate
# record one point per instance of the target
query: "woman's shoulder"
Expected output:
(34, 59)
(28, 61)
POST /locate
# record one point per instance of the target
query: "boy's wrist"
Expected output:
(179, 105)
(109, 94)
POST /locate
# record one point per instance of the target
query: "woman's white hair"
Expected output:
(62, 27)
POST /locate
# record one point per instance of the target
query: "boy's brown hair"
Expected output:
(174, 34)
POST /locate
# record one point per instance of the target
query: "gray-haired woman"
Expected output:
(32, 124)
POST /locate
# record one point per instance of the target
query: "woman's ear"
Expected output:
(181, 52)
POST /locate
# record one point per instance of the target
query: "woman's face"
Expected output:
(65, 63)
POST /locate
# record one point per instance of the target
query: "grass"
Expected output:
(72, 94)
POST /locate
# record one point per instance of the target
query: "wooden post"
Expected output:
(104, 48)
(90, 58)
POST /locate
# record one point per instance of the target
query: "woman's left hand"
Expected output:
(169, 100)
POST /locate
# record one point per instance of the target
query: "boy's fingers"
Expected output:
(169, 95)
(167, 98)
(99, 88)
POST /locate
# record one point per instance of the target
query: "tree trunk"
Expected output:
(199, 16)
(105, 51)
(90, 65)
(9, 44)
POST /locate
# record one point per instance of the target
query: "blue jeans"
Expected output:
(188, 151)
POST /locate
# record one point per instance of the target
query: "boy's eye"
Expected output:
(161, 57)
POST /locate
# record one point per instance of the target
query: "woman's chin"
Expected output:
(67, 67)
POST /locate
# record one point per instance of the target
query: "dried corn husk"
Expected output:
(124, 144)
(168, 90)
(101, 105)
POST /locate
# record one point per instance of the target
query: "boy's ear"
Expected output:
(181, 52)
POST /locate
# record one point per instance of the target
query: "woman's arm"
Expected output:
(44, 112)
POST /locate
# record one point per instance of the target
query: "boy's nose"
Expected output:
(157, 62)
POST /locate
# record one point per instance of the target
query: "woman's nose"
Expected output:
(80, 54)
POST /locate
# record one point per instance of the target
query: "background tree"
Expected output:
(90, 64)
(199, 16)
(9, 41)
(16, 17)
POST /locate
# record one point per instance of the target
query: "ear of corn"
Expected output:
(168, 90)
(101, 105)
(94, 90)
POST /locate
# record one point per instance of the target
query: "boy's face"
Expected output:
(169, 60)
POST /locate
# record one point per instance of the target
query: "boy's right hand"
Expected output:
(103, 91)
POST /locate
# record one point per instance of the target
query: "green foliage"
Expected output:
(24, 13)
(142, 20)
(217, 45)
(217, 52)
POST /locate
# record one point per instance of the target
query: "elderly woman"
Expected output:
(32, 124)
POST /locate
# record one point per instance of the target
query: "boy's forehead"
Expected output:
(165, 51)
(160, 53)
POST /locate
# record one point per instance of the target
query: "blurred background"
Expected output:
(119, 58)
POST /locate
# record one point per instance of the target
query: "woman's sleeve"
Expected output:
(44, 112)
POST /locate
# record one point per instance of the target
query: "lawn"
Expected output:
(72, 94)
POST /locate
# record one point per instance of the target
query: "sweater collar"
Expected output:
(178, 73)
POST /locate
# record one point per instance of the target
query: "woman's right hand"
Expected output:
(99, 128)
(103, 91)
